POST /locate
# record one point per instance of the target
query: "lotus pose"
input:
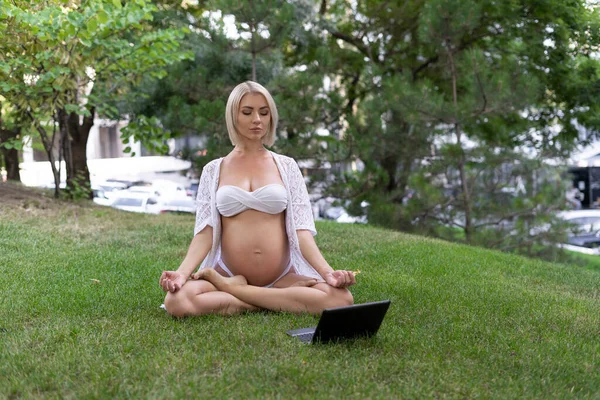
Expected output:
(254, 228)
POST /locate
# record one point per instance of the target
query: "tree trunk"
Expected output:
(48, 143)
(468, 229)
(74, 148)
(10, 156)
(11, 161)
(390, 165)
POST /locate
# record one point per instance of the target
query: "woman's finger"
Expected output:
(352, 278)
(346, 278)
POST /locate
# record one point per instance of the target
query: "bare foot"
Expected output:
(221, 282)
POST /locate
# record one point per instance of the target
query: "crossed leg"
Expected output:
(213, 293)
(200, 297)
(293, 293)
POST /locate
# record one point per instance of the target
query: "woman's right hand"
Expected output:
(172, 281)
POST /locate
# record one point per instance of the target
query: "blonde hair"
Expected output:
(233, 108)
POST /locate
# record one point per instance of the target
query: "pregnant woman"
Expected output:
(254, 228)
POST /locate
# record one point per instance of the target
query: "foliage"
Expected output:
(79, 190)
(191, 99)
(425, 100)
(514, 199)
(62, 60)
(445, 87)
(12, 143)
(147, 131)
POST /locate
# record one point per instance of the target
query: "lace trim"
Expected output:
(303, 214)
(204, 198)
(296, 216)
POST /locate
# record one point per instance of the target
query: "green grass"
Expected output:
(586, 260)
(79, 318)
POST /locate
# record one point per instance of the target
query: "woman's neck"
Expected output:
(249, 150)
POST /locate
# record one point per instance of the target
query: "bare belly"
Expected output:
(254, 244)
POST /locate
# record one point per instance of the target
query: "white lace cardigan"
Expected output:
(298, 212)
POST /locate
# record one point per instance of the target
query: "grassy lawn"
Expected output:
(80, 318)
(586, 260)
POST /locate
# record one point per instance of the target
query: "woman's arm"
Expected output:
(311, 252)
(305, 228)
(201, 244)
(172, 281)
(313, 255)
(198, 250)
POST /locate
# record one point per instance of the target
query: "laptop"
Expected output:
(344, 323)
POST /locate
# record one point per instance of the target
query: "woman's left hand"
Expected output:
(340, 278)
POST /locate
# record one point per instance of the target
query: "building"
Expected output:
(106, 159)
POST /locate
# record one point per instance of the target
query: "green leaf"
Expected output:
(102, 17)
(70, 29)
(117, 4)
(127, 149)
(92, 25)
(85, 42)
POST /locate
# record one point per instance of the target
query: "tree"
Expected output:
(64, 60)
(492, 74)
(10, 142)
(191, 99)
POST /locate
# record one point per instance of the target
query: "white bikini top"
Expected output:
(232, 200)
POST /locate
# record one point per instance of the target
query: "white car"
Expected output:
(169, 188)
(586, 220)
(136, 202)
(161, 188)
(149, 190)
(177, 205)
(101, 197)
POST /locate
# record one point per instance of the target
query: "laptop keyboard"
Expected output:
(305, 337)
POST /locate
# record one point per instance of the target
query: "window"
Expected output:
(128, 202)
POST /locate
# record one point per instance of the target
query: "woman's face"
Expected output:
(254, 116)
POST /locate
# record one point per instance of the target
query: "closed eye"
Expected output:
(263, 113)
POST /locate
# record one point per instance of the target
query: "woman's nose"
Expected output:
(255, 118)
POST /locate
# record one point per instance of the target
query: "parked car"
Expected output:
(160, 188)
(136, 202)
(192, 190)
(339, 213)
(585, 220)
(127, 183)
(586, 227)
(178, 205)
(149, 190)
(108, 186)
(101, 197)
